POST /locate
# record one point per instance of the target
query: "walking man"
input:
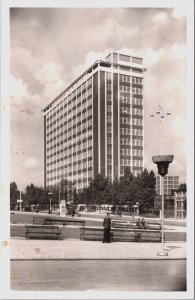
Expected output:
(107, 227)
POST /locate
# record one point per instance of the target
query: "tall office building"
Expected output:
(96, 124)
(170, 183)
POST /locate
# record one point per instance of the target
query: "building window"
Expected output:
(124, 57)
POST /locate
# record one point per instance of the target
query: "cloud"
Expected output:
(50, 48)
(179, 127)
(31, 163)
(160, 17)
(48, 74)
(18, 90)
(179, 12)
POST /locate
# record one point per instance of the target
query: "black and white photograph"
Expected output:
(97, 150)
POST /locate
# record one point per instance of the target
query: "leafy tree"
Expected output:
(182, 188)
(100, 190)
(146, 185)
(30, 194)
(13, 194)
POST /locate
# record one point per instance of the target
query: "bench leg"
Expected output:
(81, 235)
(58, 235)
(138, 237)
(111, 236)
(27, 236)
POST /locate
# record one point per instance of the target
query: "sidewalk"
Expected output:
(77, 249)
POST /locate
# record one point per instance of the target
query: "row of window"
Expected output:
(127, 152)
(127, 100)
(125, 141)
(78, 180)
(74, 140)
(126, 131)
(135, 172)
(125, 78)
(66, 161)
(70, 169)
(74, 156)
(69, 132)
(72, 118)
(69, 102)
(135, 80)
(136, 91)
(125, 162)
(71, 151)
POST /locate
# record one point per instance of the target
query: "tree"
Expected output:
(182, 188)
(34, 195)
(30, 194)
(100, 190)
(13, 195)
(146, 184)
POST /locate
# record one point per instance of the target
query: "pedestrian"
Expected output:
(37, 210)
(73, 212)
(107, 228)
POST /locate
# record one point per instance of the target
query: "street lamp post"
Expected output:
(161, 115)
(162, 162)
(20, 154)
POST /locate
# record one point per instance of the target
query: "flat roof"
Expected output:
(89, 70)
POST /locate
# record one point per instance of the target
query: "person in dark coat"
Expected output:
(73, 212)
(107, 227)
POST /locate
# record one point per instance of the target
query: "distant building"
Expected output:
(170, 183)
(168, 205)
(96, 124)
(174, 205)
(180, 201)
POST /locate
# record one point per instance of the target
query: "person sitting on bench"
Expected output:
(138, 223)
(143, 223)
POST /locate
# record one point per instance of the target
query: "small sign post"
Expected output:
(20, 201)
(62, 208)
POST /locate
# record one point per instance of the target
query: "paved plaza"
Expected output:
(76, 249)
(71, 264)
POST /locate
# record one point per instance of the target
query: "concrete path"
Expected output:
(76, 249)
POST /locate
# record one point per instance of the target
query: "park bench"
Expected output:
(120, 224)
(130, 224)
(120, 234)
(135, 234)
(58, 221)
(92, 233)
(42, 231)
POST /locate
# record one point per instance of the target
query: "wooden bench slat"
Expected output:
(60, 221)
(42, 230)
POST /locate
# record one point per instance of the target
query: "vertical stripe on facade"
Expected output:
(115, 125)
(45, 154)
(102, 123)
(95, 123)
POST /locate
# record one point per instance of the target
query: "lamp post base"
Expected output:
(162, 253)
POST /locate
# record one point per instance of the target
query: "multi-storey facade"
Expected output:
(96, 124)
(170, 183)
(180, 201)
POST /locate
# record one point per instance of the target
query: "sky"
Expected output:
(51, 47)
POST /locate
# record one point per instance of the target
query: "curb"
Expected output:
(114, 259)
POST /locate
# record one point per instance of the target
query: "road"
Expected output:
(98, 275)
